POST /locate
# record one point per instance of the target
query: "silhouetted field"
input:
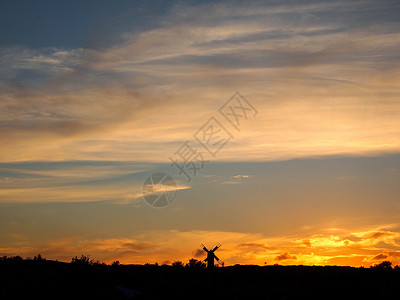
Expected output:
(27, 279)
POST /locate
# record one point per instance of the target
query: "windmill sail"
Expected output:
(204, 248)
(216, 247)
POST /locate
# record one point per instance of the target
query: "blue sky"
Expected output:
(73, 24)
(95, 96)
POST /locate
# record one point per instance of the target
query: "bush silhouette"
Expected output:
(85, 260)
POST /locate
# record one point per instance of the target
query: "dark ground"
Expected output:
(56, 280)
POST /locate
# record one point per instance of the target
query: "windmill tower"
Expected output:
(210, 256)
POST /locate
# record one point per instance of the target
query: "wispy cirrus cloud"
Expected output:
(306, 66)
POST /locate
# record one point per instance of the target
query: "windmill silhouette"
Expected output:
(210, 256)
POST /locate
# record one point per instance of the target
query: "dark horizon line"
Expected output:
(385, 264)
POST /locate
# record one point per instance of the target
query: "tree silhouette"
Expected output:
(178, 264)
(196, 264)
(385, 265)
(11, 258)
(115, 263)
(39, 258)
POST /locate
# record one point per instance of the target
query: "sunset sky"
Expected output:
(96, 96)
